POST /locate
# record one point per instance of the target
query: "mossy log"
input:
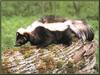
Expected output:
(55, 59)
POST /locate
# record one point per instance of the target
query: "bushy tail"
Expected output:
(81, 30)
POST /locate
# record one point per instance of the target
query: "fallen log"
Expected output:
(79, 58)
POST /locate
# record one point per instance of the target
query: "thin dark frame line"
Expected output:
(49, 0)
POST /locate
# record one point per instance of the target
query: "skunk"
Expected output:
(43, 34)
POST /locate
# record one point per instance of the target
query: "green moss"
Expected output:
(82, 64)
(60, 63)
(71, 68)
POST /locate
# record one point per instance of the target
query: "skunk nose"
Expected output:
(16, 45)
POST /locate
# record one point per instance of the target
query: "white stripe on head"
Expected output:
(21, 30)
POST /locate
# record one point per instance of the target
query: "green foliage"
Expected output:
(82, 9)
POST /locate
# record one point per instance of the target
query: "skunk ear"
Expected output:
(17, 33)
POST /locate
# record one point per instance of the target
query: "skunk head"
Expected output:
(21, 37)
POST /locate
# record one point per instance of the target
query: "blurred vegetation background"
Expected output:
(16, 14)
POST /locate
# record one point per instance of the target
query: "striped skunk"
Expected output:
(42, 34)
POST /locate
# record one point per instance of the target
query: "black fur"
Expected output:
(21, 39)
(42, 37)
(90, 35)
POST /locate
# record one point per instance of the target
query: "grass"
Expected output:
(9, 28)
(11, 24)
